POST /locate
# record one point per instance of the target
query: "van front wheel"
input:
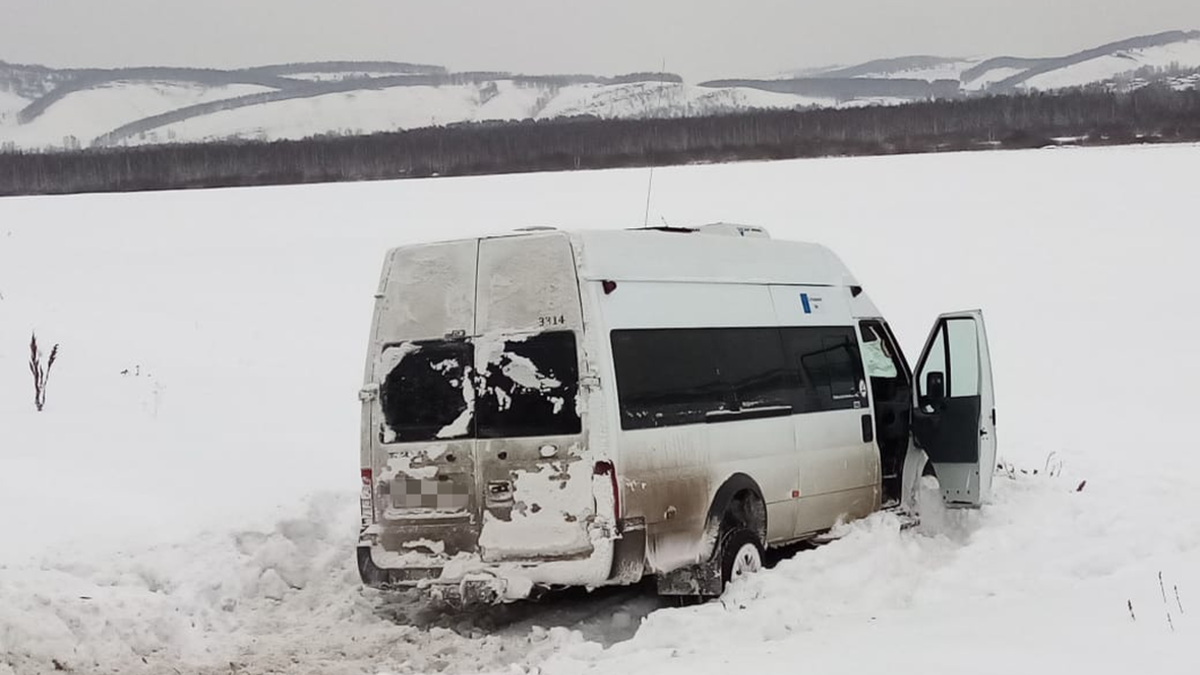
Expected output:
(741, 555)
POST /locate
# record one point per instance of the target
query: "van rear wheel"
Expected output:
(741, 555)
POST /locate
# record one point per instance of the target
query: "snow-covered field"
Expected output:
(187, 501)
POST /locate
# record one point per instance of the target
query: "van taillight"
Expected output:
(610, 470)
(366, 499)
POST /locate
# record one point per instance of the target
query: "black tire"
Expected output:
(732, 547)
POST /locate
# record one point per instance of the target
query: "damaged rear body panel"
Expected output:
(480, 472)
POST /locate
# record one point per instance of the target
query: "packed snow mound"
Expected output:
(287, 599)
(869, 587)
(175, 603)
(280, 599)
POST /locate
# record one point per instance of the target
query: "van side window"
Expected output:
(669, 377)
(753, 368)
(666, 377)
(828, 363)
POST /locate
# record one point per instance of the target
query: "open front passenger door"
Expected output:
(954, 415)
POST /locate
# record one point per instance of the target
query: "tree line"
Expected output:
(1088, 117)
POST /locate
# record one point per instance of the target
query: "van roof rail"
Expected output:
(664, 228)
(735, 230)
(720, 229)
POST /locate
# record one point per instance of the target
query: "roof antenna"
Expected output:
(650, 185)
(649, 190)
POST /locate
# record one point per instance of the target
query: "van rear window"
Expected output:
(428, 393)
(451, 389)
(528, 387)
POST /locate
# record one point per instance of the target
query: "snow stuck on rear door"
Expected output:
(188, 501)
(543, 525)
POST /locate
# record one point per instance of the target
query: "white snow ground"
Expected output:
(197, 514)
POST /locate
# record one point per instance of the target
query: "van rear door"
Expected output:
(420, 428)
(954, 415)
(535, 470)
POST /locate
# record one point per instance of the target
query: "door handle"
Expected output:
(868, 431)
(499, 492)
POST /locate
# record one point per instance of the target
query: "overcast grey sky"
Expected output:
(698, 38)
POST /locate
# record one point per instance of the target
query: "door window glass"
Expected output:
(935, 361)
(878, 358)
(964, 358)
(954, 352)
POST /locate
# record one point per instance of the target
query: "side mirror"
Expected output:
(935, 388)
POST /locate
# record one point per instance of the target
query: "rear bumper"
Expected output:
(467, 590)
(379, 577)
(468, 577)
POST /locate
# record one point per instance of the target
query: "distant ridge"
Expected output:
(45, 108)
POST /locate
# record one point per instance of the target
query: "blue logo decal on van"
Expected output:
(804, 302)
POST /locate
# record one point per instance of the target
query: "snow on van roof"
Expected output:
(714, 253)
(692, 255)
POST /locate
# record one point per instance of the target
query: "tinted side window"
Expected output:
(828, 362)
(753, 367)
(528, 387)
(666, 377)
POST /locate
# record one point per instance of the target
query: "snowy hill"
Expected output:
(48, 108)
(1170, 51)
